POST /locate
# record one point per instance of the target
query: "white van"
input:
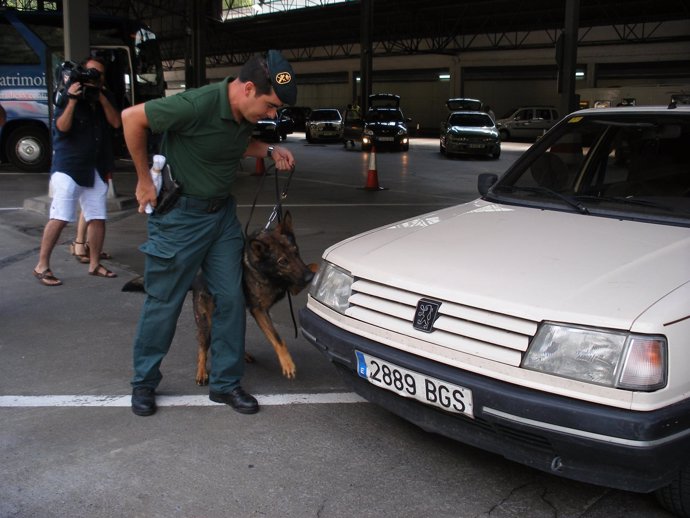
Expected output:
(547, 321)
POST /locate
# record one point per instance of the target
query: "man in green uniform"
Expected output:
(206, 132)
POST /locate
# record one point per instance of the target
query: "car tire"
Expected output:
(28, 149)
(675, 497)
(406, 147)
(441, 149)
(310, 139)
(496, 154)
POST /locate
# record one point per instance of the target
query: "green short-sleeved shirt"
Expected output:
(203, 142)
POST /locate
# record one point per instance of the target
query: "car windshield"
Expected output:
(325, 115)
(384, 116)
(471, 120)
(629, 166)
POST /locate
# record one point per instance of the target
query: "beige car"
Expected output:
(547, 321)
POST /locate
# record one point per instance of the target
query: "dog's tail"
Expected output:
(136, 284)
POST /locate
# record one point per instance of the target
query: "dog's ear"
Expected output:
(286, 224)
(258, 247)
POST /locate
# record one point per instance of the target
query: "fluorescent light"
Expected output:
(444, 76)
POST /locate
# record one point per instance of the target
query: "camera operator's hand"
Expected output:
(74, 91)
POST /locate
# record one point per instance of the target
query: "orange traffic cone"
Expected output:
(260, 168)
(372, 176)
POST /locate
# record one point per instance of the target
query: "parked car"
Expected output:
(274, 130)
(299, 116)
(471, 133)
(324, 124)
(546, 321)
(528, 122)
(384, 124)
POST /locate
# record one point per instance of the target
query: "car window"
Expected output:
(633, 166)
(523, 115)
(543, 114)
(471, 120)
(325, 115)
(385, 116)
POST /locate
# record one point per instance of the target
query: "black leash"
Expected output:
(276, 213)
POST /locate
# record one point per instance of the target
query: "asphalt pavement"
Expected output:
(71, 447)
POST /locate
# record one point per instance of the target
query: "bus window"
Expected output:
(14, 50)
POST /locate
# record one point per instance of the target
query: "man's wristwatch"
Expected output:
(269, 152)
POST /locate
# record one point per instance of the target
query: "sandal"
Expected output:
(102, 271)
(82, 258)
(47, 278)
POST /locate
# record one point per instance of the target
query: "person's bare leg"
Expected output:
(95, 231)
(51, 234)
(79, 245)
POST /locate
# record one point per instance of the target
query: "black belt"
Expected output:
(210, 205)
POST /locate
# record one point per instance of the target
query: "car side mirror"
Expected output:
(485, 181)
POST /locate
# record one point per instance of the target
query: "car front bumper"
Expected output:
(469, 148)
(633, 451)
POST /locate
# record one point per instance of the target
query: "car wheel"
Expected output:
(310, 139)
(28, 148)
(496, 154)
(675, 497)
(406, 147)
(504, 135)
(442, 149)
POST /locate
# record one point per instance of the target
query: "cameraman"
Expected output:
(82, 157)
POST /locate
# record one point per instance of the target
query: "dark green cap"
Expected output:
(282, 77)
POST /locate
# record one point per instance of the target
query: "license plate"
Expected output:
(476, 146)
(386, 139)
(411, 384)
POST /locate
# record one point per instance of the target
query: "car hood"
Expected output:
(472, 130)
(526, 262)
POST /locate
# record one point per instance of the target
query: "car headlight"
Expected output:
(612, 358)
(369, 133)
(332, 287)
(401, 132)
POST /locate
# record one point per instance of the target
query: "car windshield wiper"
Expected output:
(545, 190)
(628, 201)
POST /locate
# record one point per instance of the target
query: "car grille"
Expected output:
(486, 334)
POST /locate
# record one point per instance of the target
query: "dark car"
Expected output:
(471, 133)
(274, 130)
(384, 124)
(299, 116)
(324, 124)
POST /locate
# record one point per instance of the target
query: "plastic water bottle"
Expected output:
(156, 168)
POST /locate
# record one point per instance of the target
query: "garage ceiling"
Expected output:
(400, 26)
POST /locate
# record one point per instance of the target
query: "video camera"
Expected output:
(68, 73)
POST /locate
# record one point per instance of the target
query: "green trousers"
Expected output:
(180, 243)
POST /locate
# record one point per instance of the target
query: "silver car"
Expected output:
(324, 124)
(470, 133)
(528, 122)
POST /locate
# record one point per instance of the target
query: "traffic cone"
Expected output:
(260, 168)
(372, 176)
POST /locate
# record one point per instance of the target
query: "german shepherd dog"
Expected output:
(272, 267)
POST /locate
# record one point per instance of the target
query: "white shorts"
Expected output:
(66, 192)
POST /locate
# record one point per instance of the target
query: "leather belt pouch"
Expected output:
(170, 192)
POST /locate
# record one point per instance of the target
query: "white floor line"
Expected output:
(170, 401)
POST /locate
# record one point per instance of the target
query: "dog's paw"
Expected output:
(289, 370)
(201, 378)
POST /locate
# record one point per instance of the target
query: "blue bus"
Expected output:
(32, 48)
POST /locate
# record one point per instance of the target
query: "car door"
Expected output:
(521, 125)
(353, 125)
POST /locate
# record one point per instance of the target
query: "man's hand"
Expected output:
(146, 193)
(283, 158)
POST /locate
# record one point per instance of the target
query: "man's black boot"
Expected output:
(237, 399)
(143, 401)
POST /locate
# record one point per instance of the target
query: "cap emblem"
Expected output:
(283, 78)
